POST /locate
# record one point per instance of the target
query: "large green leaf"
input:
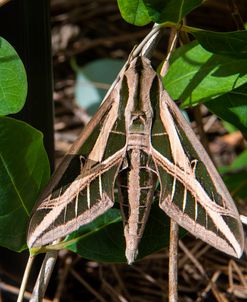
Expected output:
(142, 12)
(161, 11)
(24, 170)
(103, 239)
(13, 82)
(227, 43)
(196, 75)
(232, 107)
(134, 12)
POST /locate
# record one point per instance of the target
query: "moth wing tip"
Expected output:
(238, 252)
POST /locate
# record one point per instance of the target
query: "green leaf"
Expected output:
(196, 75)
(232, 107)
(24, 170)
(13, 81)
(226, 44)
(103, 239)
(161, 11)
(134, 12)
(235, 176)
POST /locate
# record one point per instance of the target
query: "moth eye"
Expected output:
(139, 115)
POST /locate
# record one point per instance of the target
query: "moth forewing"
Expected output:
(80, 203)
(200, 201)
(72, 201)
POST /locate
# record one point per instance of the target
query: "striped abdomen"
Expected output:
(136, 188)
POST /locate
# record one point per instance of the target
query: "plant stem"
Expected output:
(44, 276)
(173, 262)
(144, 48)
(25, 278)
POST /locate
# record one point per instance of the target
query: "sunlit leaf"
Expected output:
(161, 11)
(13, 80)
(134, 12)
(225, 43)
(232, 107)
(196, 75)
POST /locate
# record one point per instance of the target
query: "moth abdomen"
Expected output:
(136, 185)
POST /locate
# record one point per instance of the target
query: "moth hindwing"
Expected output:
(143, 139)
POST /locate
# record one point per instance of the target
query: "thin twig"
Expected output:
(87, 286)
(44, 276)
(209, 286)
(200, 127)
(173, 247)
(192, 258)
(14, 290)
(172, 44)
(236, 14)
(220, 297)
(232, 265)
(63, 276)
(25, 278)
(193, 250)
(148, 277)
(120, 282)
(115, 295)
(209, 123)
(173, 262)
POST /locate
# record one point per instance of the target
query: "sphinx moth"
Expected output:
(139, 139)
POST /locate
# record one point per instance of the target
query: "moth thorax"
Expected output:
(136, 140)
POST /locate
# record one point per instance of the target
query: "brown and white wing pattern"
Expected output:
(192, 192)
(86, 189)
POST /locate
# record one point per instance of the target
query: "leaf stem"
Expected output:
(147, 44)
(25, 278)
(144, 48)
(171, 47)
